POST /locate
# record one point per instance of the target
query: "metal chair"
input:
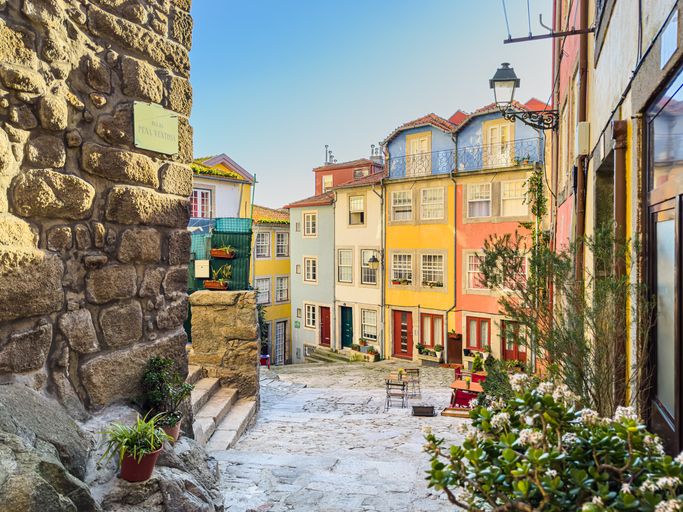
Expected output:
(414, 381)
(396, 391)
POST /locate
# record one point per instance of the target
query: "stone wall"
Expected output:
(93, 246)
(225, 338)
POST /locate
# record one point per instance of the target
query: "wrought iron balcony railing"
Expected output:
(505, 154)
(422, 164)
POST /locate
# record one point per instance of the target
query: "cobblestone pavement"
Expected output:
(322, 442)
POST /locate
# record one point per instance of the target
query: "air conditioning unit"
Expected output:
(582, 147)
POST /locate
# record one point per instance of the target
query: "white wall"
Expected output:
(226, 195)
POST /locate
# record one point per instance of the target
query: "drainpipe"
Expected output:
(619, 131)
(583, 160)
(381, 265)
(455, 243)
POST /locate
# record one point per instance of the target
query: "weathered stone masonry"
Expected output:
(93, 246)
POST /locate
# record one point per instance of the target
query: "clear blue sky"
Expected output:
(276, 80)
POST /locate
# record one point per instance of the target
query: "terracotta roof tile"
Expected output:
(265, 215)
(428, 120)
(351, 163)
(370, 179)
(458, 117)
(536, 104)
(324, 199)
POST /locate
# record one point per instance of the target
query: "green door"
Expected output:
(346, 326)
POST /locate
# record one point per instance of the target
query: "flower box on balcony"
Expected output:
(223, 253)
(400, 282)
(429, 357)
(215, 285)
(432, 284)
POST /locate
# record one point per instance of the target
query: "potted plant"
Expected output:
(438, 351)
(227, 252)
(477, 363)
(355, 346)
(220, 278)
(396, 281)
(420, 348)
(164, 392)
(362, 342)
(373, 354)
(138, 447)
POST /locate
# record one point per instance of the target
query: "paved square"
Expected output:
(322, 442)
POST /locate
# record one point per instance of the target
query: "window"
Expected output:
(360, 173)
(402, 268)
(298, 312)
(200, 203)
(327, 182)
(311, 270)
(345, 266)
(432, 203)
(281, 244)
(478, 333)
(475, 279)
(297, 269)
(367, 274)
(520, 268)
(262, 286)
(282, 289)
(401, 205)
(310, 320)
(512, 199)
(368, 324)
(310, 224)
(479, 200)
(356, 210)
(432, 270)
(297, 227)
(263, 245)
(432, 330)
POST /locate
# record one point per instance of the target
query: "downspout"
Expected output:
(619, 133)
(333, 313)
(583, 160)
(381, 264)
(455, 242)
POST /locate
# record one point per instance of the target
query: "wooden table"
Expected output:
(475, 387)
(399, 378)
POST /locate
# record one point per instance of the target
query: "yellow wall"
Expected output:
(418, 237)
(273, 267)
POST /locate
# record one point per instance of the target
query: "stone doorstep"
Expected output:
(195, 374)
(219, 405)
(233, 426)
(202, 392)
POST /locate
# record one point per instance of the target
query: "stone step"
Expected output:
(321, 358)
(331, 356)
(233, 426)
(194, 374)
(202, 392)
(213, 412)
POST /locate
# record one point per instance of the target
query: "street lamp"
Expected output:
(373, 262)
(504, 83)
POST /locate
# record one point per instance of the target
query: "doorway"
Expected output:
(403, 334)
(513, 345)
(280, 355)
(346, 326)
(325, 330)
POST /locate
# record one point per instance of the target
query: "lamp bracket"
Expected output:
(541, 119)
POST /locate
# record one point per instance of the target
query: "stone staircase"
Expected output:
(325, 355)
(220, 416)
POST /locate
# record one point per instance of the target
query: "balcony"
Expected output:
(422, 164)
(515, 153)
(494, 156)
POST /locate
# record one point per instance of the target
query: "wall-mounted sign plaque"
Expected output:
(156, 128)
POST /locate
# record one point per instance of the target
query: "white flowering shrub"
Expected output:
(540, 452)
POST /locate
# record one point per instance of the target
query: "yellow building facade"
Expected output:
(419, 264)
(270, 278)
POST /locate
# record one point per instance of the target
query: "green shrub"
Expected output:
(136, 440)
(164, 390)
(478, 363)
(538, 452)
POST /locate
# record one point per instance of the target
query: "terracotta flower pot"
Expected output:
(173, 431)
(215, 285)
(222, 254)
(132, 471)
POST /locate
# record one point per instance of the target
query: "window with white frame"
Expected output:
(281, 244)
(402, 268)
(402, 205)
(519, 273)
(512, 202)
(200, 203)
(475, 279)
(432, 204)
(356, 210)
(327, 182)
(281, 289)
(345, 265)
(262, 245)
(262, 286)
(432, 270)
(310, 224)
(310, 319)
(360, 173)
(367, 275)
(311, 270)
(368, 326)
(479, 200)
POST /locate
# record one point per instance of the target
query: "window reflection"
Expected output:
(666, 117)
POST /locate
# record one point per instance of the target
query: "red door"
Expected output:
(513, 348)
(403, 334)
(325, 326)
